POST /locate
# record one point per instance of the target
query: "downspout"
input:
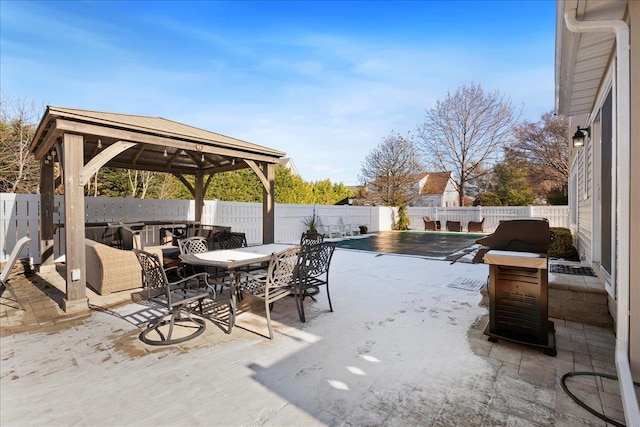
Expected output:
(623, 132)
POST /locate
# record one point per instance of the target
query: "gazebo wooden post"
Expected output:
(268, 204)
(46, 212)
(76, 298)
(199, 195)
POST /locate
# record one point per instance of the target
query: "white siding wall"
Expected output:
(585, 203)
(431, 201)
(450, 196)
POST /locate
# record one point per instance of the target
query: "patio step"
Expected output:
(575, 298)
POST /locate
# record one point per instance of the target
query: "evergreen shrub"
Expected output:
(562, 244)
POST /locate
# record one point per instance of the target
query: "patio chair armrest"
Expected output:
(172, 268)
(253, 275)
(184, 282)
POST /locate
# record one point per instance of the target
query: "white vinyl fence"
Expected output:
(558, 216)
(20, 216)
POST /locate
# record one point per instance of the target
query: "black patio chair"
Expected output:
(198, 245)
(311, 238)
(232, 240)
(177, 297)
(312, 271)
(275, 285)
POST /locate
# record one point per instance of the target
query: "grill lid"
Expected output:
(520, 235)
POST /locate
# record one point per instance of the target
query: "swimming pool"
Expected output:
(433, 244)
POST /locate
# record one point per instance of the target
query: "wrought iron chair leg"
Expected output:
(299, 296)
(329, 297)
(175, 318)
(172, 323)
(268, 310)
(315, 290)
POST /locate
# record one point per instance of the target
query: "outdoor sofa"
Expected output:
(111, 269)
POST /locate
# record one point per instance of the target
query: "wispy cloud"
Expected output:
(325, 89)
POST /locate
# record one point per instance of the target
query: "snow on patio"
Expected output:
(395, 351)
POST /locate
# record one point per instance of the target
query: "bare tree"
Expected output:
(92, 185)
(544, 147)
(467, 132)
(388, 172)
(19, 171)
(145, 177)
(165, 189)
(133, 181)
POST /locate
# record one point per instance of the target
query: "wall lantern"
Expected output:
(580, 135)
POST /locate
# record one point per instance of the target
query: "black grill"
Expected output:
(518, 292)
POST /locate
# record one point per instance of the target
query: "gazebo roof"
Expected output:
(162, 145)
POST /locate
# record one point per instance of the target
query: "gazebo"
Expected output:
(83, 141)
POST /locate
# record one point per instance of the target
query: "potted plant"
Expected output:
(311, 223)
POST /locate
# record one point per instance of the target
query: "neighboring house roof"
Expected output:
(436, 183)
(287, 162)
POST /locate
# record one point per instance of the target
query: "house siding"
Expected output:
(434, 195)
(450, 197)
(634, 247)
(586, 81)
(585, 204)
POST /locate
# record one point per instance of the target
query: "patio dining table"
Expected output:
(234, 260)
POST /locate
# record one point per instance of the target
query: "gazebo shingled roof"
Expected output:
(155, 135)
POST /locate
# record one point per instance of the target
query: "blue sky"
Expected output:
(323, 81)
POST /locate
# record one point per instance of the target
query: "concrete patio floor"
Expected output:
(401, 348)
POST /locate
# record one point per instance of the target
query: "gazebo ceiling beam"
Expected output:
(196, 157)
(206, 184)
(151, 168)
(95, 152)
(227, 168)
(101, 159)
(261, 176)
(141, 149)
(169, 168)
(48, 141)
(173, 158)
(186, 183)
